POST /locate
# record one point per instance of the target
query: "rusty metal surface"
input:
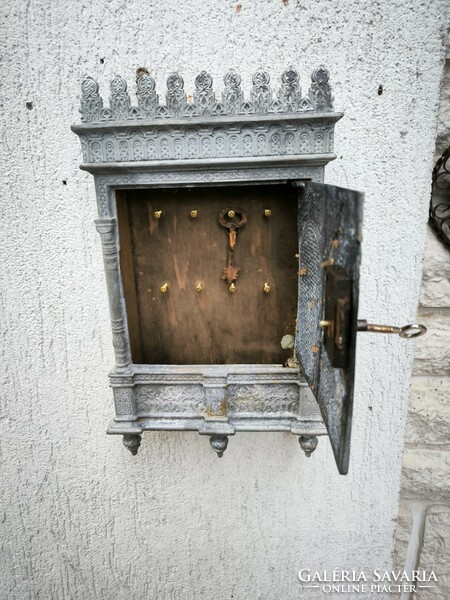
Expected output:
(329, 222)
(337, 312)
(412, 330)
(232, 219)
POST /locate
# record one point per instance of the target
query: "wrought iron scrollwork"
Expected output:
(440, 198)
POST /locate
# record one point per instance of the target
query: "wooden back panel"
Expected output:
(213, 326)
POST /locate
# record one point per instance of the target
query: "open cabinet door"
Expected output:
(329, 226)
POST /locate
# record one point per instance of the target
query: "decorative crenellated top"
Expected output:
(262, 99)
(208, 128)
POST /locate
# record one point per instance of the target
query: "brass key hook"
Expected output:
(407, 331)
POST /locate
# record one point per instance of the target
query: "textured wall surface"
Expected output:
(423, 531)
(80, 517)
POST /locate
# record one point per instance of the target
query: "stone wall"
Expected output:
(423, 532)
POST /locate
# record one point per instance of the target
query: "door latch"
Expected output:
(338, 317)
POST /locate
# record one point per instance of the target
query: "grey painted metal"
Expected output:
(270, 137)
(329, 222)
(219, 444)
(284, 127)
(308, 444)
(288, 99)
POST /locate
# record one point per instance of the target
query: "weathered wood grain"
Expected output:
(214, 326)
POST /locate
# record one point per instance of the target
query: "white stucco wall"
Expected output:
(423, 528)
(81, 518)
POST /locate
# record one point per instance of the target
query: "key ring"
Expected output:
(232, 213)
(412, 331)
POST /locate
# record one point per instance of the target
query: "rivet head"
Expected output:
(232, 288)
(328, 263)
(266, 287)
(163, 289)
(193, 214)
(198, 286)
(267, 212)
(158, 214)
(231, 214)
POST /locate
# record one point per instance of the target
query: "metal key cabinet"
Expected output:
(231, 269)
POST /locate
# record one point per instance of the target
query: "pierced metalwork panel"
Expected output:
(263, 99)
(280, 124)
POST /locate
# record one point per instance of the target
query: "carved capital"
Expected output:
(107, 231)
